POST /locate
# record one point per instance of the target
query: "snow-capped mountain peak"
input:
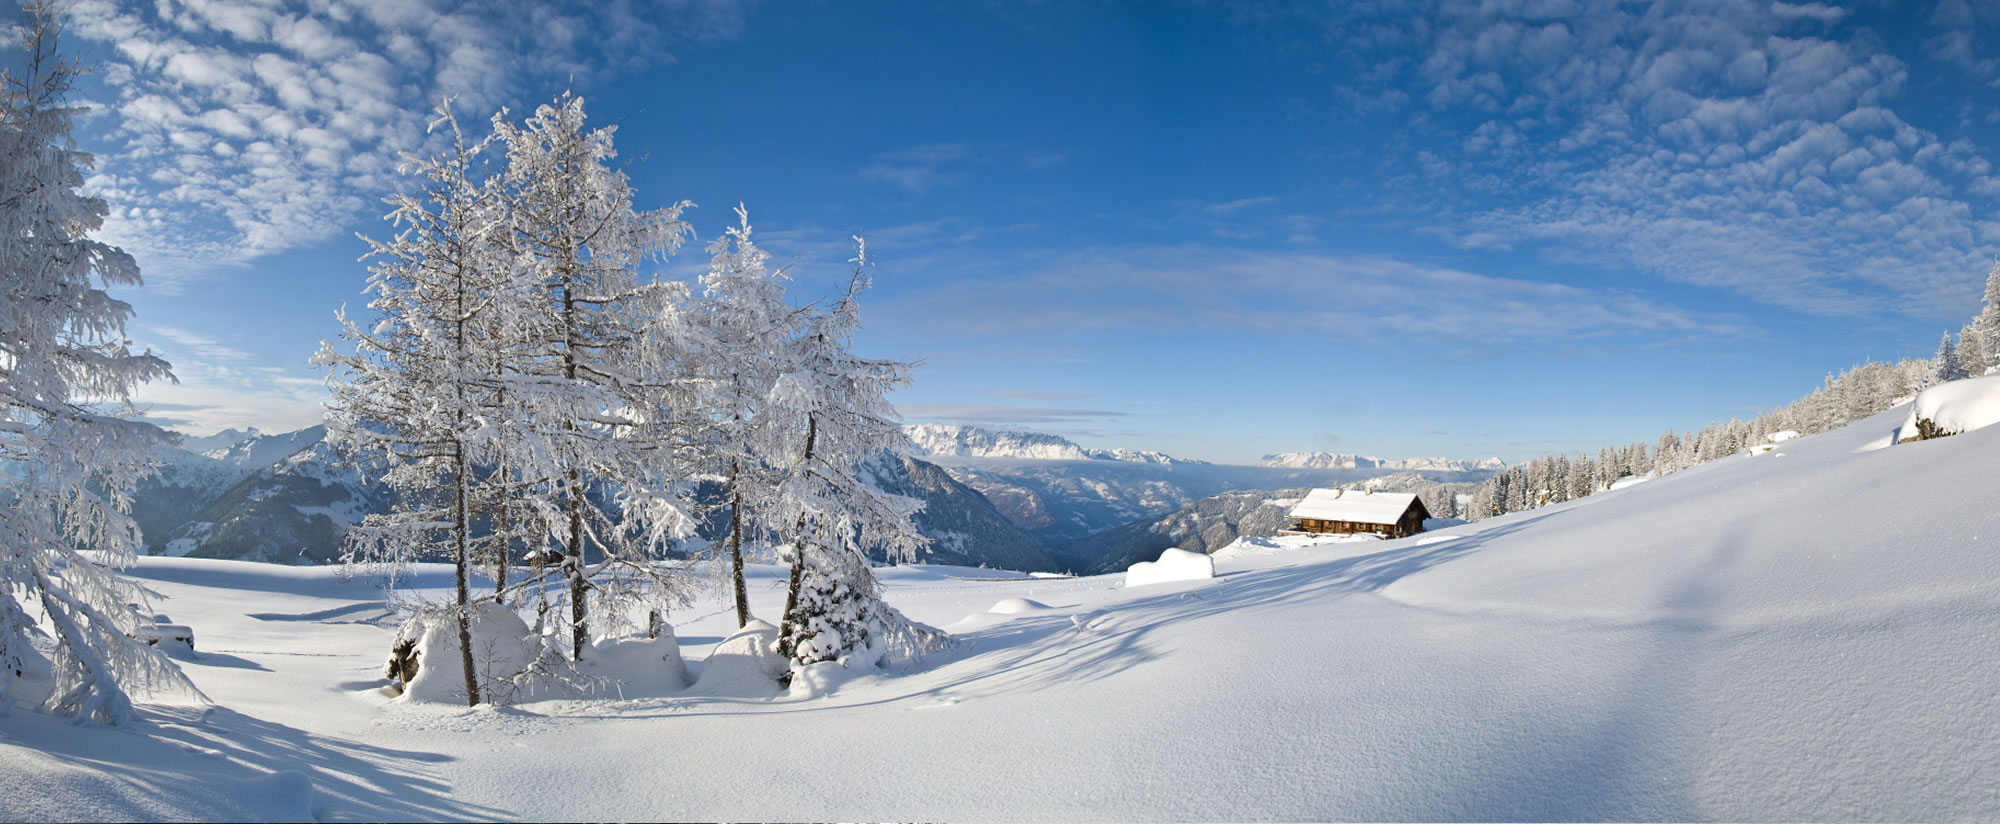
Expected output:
(258, 451)
(220, 440)
(955, 440)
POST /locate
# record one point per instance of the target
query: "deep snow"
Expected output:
(1816, 637)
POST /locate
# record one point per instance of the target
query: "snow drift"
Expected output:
(1952, 408)
(1173, 565)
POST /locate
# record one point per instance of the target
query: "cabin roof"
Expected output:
(1354, 505)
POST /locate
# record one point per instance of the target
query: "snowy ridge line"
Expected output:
(956, 440)
(1341, 460)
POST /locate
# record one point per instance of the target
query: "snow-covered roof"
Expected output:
(1354, 505)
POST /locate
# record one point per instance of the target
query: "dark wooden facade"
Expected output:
(1410, 523)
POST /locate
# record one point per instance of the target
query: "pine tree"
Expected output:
(1949, 368)
(65, 531)
(414, 394)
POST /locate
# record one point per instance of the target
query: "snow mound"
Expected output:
(637, 666)
(1174, 565)
(1955, 407)
(1781, 437)
(502, 648)
(744, 665)
(1017, 606)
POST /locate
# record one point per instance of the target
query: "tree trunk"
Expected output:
(573, 565)
(789, 623)
(501, 539)
(736, 547)
(573, 570)
(462, 561)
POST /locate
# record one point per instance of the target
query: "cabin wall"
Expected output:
(1411, 523)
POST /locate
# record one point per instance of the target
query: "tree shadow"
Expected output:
(350, 779)
(1634, 760)
(327, 615)
(222, 659)
(1033, 652)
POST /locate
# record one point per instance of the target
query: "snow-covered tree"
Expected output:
(1972, 351)
(1986, 325)
(1949, 368)
(838, 415)
(414, 395)
(65, 493)
(597, 392)
(746, 335)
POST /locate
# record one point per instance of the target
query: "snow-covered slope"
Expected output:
(1805, 634)
(1339, 460)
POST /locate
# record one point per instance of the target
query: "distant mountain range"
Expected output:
(1339, 460)
(286, 499)
(951, 440)
(1014, 500)
(959, 441)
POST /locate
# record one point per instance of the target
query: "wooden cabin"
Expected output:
(1347, 511)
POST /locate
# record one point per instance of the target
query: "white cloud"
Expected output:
(919, 168)
(202, 346)
(1000, 414)
(1152, 288)
(245, 128)
(1732, 145)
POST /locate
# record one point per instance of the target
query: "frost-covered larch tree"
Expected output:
(839, 414)
(596, 391)
(65, 531)
(1986, 325)
(414, 395)
(746, 331)
(1972, 354)
(1949, 367)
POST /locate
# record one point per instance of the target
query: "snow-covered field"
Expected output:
(1807, 634)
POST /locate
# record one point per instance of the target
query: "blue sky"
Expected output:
(1213, 229)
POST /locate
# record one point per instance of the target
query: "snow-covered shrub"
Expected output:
(1173, 565)
(502, 651)
(747, 664)
(637, 666)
